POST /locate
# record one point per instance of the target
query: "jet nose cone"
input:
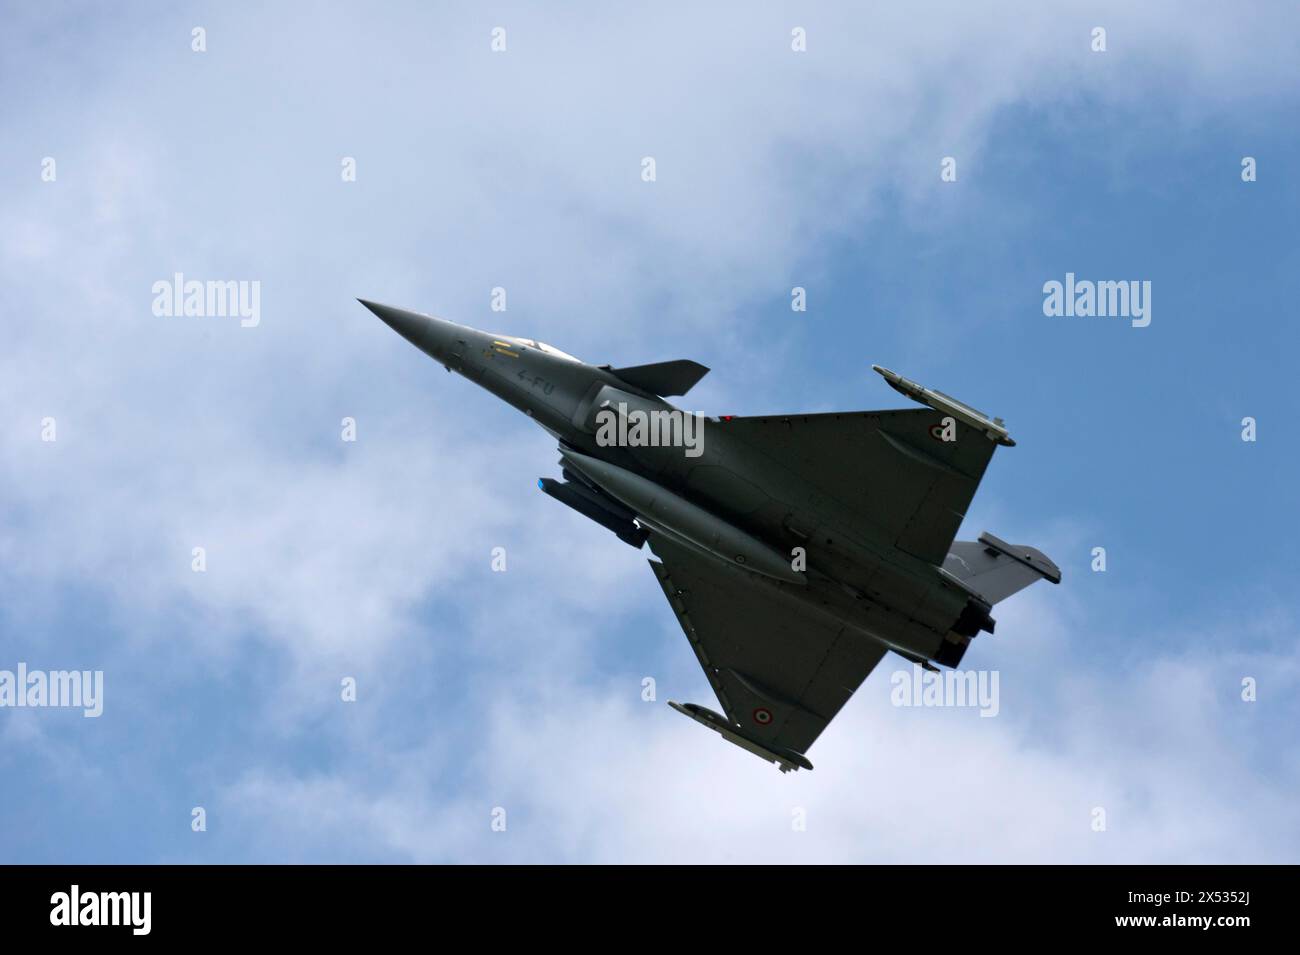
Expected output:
(412, 326)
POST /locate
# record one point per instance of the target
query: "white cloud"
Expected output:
(590, 772)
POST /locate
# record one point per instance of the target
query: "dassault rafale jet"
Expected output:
(795, 550)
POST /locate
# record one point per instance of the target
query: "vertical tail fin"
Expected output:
(995, 569)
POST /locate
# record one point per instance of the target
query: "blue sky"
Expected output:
(522, 690)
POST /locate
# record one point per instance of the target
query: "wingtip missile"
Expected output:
(785, 759)
(993, 428)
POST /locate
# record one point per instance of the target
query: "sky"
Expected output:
(1147, 712)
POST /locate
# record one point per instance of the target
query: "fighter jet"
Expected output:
(796, 550)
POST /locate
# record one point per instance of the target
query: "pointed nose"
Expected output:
(422, 331)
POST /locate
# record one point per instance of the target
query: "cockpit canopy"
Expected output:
(540, 346)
